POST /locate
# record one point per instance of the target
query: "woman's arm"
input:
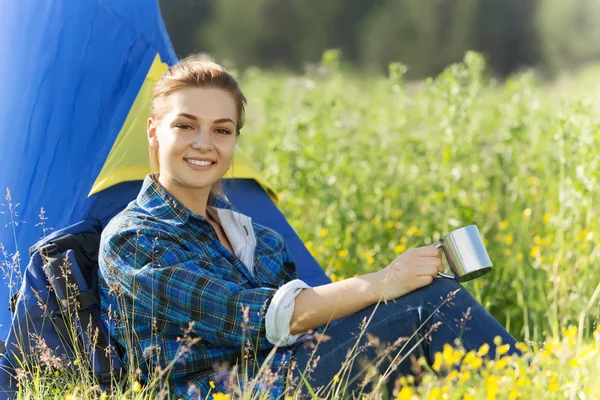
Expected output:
(320, 305)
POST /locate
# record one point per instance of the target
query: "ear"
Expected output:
(152, 132)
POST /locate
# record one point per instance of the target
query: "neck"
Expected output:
(194, 199)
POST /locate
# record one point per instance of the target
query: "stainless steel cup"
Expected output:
(465, 253)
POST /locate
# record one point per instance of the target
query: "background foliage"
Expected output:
(551, 35)
(370, 167)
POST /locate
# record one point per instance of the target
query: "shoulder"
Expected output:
(133, 227)
(267, 239)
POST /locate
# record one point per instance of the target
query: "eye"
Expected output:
(184, 126)
(223, 131)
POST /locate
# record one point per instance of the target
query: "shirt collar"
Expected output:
(162, 204)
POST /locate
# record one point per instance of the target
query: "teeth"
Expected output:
(198, 162)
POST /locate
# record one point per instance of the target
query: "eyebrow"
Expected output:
(193, 117)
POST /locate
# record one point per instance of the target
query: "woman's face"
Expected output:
(196, 138)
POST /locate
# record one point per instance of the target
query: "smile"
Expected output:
(199, 162)
(199, 165)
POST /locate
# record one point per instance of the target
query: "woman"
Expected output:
(200, 295)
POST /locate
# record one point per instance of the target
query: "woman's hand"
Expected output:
(415, 268)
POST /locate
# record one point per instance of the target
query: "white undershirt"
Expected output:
(238, 229)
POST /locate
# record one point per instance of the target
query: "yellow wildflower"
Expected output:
(507, 252)
(574, 363)
(435, 394)
(508, 239)
(398, 213)
(437, 363)
(503, 224)
(464, 376)
(136, 387)
(571, 332)
(547, 218)
(519, 256)
(521, 346)
(399, 248)
(503, 349)
(389, 224)
(483, 350)
(491, 387)
(527, 212)
(522, 381)
(406, 393)
(554, 384)
(476, 363)
(535, 251)
(452, 375)
(212, 384)
(468, 396)
(513, 394)
(336, 378)
(220, 396)
(501, 364)
(447, 354)
(343, 253)
(337, 265)
(370, 260)
(323, 232)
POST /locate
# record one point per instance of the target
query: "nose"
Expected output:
(203, 141)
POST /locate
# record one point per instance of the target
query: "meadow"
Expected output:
(368, 167)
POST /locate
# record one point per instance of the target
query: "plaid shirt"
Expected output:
(183, 304)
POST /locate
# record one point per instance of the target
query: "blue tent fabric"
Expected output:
(68, 76)
(70, 72)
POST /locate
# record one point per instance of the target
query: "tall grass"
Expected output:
(369, 167)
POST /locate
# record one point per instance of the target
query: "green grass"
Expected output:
(369, 167)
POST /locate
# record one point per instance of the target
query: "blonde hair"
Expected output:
(192, 72)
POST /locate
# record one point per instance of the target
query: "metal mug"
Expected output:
(465, 253)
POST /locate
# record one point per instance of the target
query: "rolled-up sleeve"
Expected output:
(165, 279)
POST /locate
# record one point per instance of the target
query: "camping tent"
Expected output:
(75, 86)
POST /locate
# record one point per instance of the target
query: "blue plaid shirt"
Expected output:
(187, 309)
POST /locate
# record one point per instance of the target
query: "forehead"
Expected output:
(204, 103)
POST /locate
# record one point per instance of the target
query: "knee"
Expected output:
(440, 288)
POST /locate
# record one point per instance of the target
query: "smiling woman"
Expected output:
(181, 260)
(195, 140)
(196, 116)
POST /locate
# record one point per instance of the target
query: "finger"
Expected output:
(427, 270)
(429, 251)
(433, 261)
(429, 260)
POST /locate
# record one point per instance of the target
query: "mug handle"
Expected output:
(443, 274)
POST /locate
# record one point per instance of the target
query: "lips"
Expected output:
(198, 164)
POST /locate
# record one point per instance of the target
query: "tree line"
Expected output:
(425, 35)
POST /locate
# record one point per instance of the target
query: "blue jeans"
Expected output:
(400, 319)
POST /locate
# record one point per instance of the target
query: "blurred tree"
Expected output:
(424, 35)
(183, 17)
(569, 32)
